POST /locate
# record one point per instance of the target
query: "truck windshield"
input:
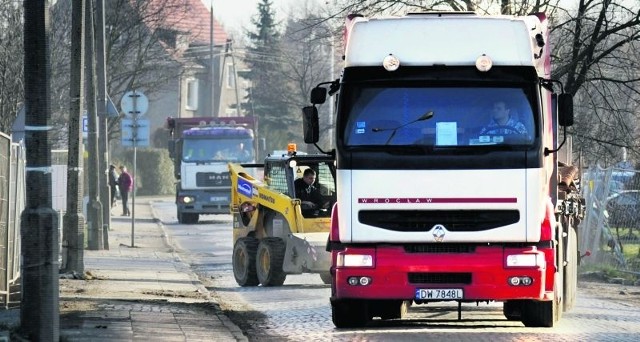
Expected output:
(220, 149)
(439, 117)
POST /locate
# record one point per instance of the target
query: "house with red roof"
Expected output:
(200, 47)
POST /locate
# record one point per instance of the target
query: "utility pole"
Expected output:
(103, 141)
(228, 53)
(39, 311)
(214, 81)
(74, 222)
(94, 208)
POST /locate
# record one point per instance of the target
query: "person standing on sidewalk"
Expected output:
(113, 184)
(125, 182)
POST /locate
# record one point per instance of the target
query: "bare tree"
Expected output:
(11, 62)
(594, 49)
(308, 50)
(143, 50)
(596, 54)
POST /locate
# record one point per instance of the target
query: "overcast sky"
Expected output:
(236, 14)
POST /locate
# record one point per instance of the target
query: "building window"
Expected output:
(192, 94)
(231, 76)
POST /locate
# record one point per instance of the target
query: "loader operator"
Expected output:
(308, 193)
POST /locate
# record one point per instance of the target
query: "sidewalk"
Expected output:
(139, 293)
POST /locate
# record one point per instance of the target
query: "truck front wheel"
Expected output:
(269, 259)
(187, 218)
(542, 314)
(392, 309)
(539, 314)
(244, 261)
(512, 310)
(349, 313)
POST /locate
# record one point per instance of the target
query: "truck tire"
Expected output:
(512, 310)
(538, 314)
(190, 218)
(392, 309)
(269, 259)
(349, 313)
(570, 270)
(244, 261)
(326, 277)
(187, 218)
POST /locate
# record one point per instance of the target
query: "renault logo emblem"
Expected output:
(438, 232)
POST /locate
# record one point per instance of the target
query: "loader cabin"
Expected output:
(284, 172)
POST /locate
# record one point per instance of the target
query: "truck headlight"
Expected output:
(354, 260)
(187, 199)
(525, 260)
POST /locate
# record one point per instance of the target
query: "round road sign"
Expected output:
(134, 104)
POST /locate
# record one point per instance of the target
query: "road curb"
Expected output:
(235, 330)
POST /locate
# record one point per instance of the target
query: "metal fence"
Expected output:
(611, 229)
(12, 203)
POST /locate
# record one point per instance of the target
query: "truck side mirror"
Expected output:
(565, 109)
(310, 124)
(262, 145)
(177, 157)
(318, 95)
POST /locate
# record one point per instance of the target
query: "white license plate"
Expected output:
(439, 294)
(219, 199)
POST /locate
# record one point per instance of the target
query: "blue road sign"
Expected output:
(135, 133)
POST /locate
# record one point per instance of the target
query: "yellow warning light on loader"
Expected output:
(291, 148)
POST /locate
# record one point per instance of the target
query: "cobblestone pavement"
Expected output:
(140, 292)
(299, 310)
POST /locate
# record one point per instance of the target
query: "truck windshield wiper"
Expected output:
(426, 116)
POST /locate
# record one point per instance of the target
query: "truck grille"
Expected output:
(440, 278)
(213, 179)
(424, 220)
(440, 248)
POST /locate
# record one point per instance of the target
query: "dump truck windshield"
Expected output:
(207, 150)
(439, 117)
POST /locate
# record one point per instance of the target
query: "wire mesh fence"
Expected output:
(12, 203)
(611, 228)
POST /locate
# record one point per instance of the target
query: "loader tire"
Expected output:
(326, 277)
(269, 259)
(244, 261)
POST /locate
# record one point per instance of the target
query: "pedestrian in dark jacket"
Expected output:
(113, 183)
(125, 182)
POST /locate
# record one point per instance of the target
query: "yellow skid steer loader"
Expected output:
(274, 232)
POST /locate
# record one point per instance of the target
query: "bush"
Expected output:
(154, 171)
